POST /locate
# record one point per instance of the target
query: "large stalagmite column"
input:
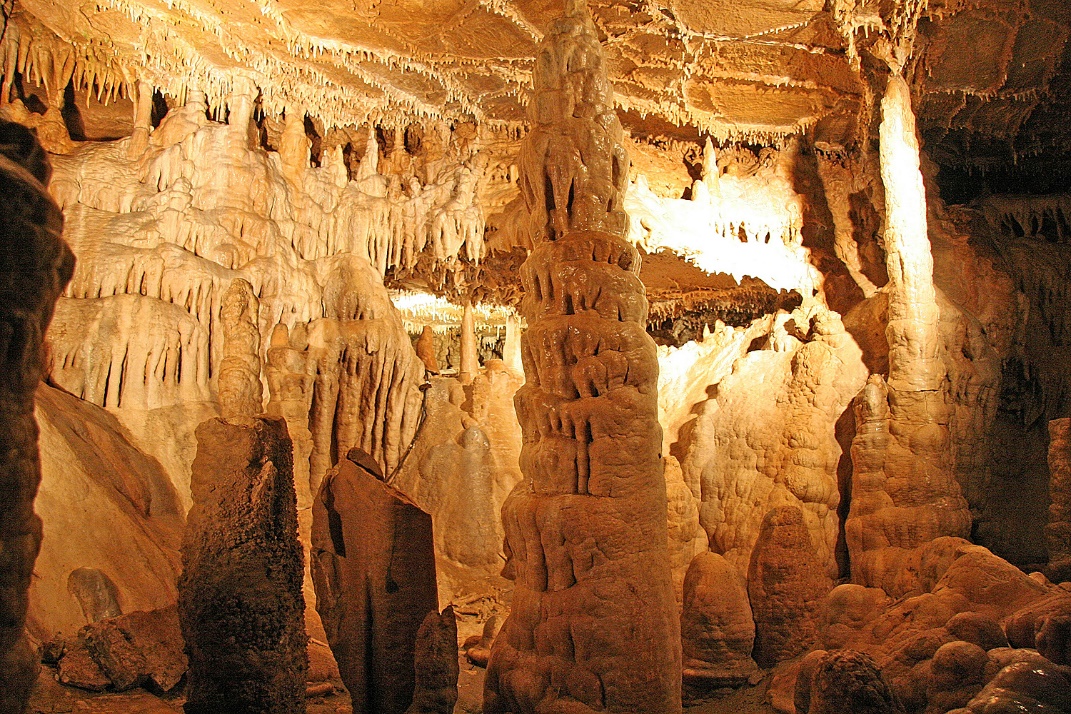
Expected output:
(904, 490)
(35, 266)
(594, 623)
(240, 601)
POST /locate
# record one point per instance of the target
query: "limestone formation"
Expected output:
(1058, 530)
(373, 564)
(240, 600)
(904, 491)
(717, 628)
(435, 659)
(786, 585)
(843, 681)
(35, 266)
(288, 372)
(239, 372)
(425, 349)
(586, 529)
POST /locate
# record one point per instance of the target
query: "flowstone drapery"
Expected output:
(586, 530)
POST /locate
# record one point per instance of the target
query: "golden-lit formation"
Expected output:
(509, 356)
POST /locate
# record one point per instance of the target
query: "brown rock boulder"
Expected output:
(842, 681)
(786, 584)
(373, 565)
(717, 629)
(436, 665)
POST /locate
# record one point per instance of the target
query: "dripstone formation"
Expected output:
(35, 266)
(1058, 530)
(373, 565)
(594, 622)
(904, 490)
(240, 601)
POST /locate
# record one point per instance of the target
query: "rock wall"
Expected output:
(35, 265)
(586, 529)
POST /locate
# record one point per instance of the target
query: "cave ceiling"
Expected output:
(735, 69)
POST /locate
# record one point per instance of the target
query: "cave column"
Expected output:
(470, 360)
(904, 490)
(594, 623)
(139, 138)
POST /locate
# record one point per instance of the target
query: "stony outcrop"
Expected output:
(240, 600)
(586, 530)
(373, 565)
(717, 628)
(904, 490)
(435, 660)
(768, 435)
(142, 648)
(35, 266)
(95, 482)
(842, 681)
(786, 584)
(1058, 530)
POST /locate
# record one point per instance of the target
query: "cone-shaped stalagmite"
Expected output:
(35, 265)
(594, 623)
(904, 491)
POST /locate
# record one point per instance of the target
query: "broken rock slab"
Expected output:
(373, 566)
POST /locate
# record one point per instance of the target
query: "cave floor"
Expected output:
(50, 697)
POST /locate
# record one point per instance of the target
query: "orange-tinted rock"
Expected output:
(786, 584)
(374, 571)
(35, 265)
(425, 349)
(435, 659)
(1058, 530)
(240, 599)
(717, 629)
(842, 681)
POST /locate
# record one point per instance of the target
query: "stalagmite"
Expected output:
(240, 391)
(240, 599)
(425, 349)
(511, 349)
(139, 137)
(1058, 530)
(35, 266)
(586, 531)
(435, 660)
(373, 564)
(470, 361)
(904, 491)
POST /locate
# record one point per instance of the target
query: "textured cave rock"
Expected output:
(435, 660)
(717, 628)
(240, 599)
(373, 565)
(786, 584)
(586, 529)
(844, 680)
(35, 266)
(904, 490)
(1058, 530)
